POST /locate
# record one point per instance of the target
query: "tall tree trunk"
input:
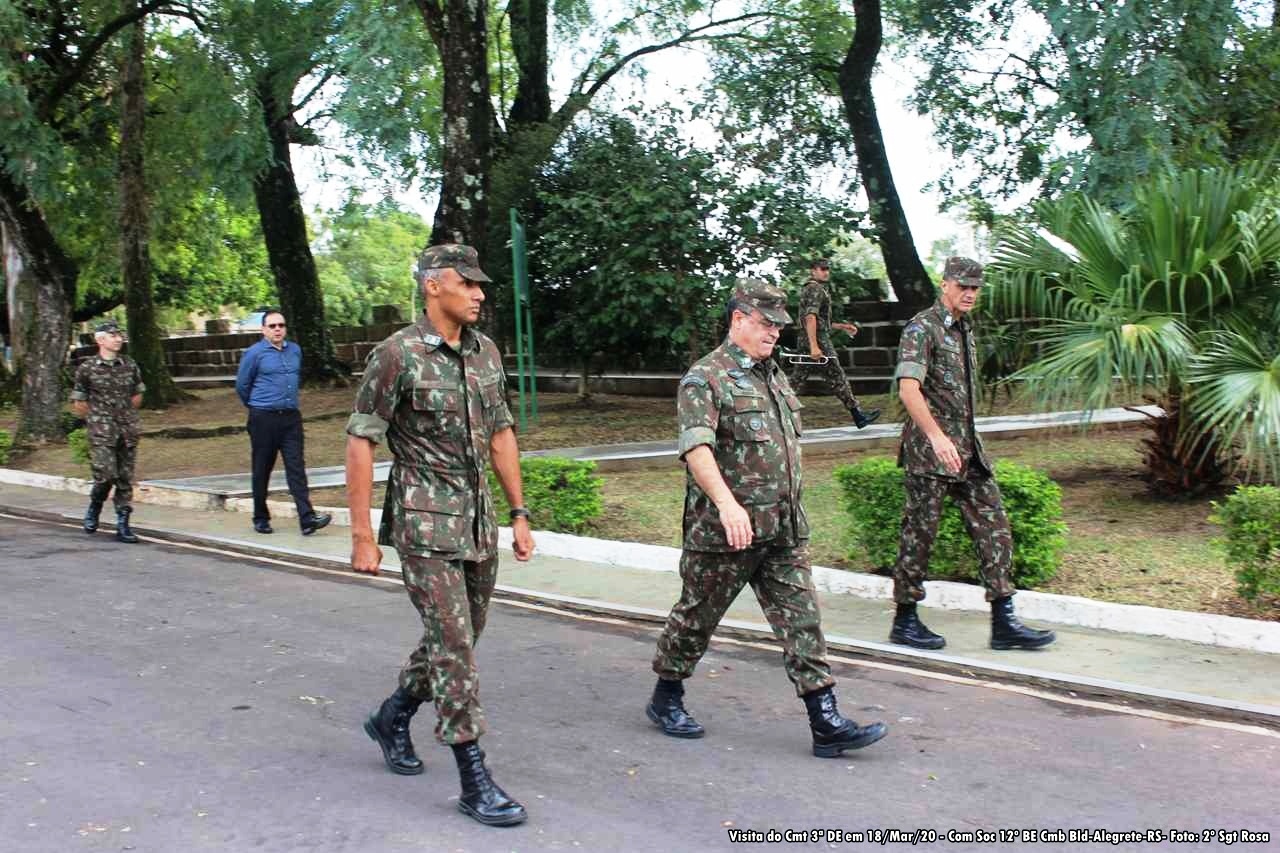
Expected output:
(460, 31)
(41, 334)
(145, 346)
(901, 261)
(284, 231)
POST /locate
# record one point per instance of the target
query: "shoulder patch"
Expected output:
(693, 379)
(913, 327)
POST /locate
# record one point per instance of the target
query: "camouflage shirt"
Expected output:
(815, 299)
(939, 351)
(750, 418)
(438, 408)
(108, 385)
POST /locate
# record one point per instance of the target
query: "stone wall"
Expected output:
(869, 359)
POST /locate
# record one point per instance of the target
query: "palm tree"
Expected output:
(1177, 298)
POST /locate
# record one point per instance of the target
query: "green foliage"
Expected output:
(874, 497)
(364, 256)
(1090, 96)
(78, 442)
(1251, 516)
(1178, 292)
(562, 494)
(638, 236)
(6, 444)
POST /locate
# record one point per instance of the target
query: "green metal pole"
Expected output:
(517, 252)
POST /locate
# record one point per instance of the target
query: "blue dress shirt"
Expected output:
(268, 377)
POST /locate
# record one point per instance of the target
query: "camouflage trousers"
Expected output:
(780, 577)
(831, 374)
(112, 465)
(452, 597)
(978, 499)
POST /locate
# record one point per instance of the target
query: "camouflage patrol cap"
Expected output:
(820, 264)
(764, 297)
(452, 256)
(967, 272)
(110, 327)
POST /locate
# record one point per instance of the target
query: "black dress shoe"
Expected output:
(263, 527)
(316, 522)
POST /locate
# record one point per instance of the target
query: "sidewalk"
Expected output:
(1132, 669)
(662, 454)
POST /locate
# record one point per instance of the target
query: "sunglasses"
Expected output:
(275, 325)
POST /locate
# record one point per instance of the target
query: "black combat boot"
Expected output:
(1008, 633)
(666, 709)
(864, 419)
(97, 496)
(481, 797)
(123, 532)
(832, 733)
(389, 728)
(908, 630)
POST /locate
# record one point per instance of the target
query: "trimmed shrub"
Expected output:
(562, 494)
(1251, 517)
(78, 441)
(6, 444)
(874, 496)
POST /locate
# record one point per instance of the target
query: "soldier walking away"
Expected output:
(267, 383)
(107, 393)
(744, 523)
(943, 455)
(435, 392)
(816, 326)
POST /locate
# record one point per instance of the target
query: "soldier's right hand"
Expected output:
(366, 556)
(816, 352)
(737, 524)
(945, 449)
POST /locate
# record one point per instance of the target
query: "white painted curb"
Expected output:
(1223, 631)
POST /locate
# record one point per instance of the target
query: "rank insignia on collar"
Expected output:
(948, 320)
(433, 340)
(734, 372)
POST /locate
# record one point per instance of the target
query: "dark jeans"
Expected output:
(273, 431)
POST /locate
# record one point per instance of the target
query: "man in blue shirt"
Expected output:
(267, 383)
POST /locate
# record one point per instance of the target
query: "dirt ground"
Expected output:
(1122, 545)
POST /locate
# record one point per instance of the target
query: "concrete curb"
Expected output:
(1210, 629)
(1131, 695)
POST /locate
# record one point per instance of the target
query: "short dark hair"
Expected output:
(267, 312)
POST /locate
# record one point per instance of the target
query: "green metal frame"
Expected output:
(524, 321)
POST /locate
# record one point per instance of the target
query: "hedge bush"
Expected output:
(562, 494)
(6, 444)
(1251, 516)
(874, 495)
(78, 441)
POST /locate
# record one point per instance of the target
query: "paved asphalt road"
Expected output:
(165, 699)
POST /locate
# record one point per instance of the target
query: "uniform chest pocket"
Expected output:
(436, 397)
(490, 392)
(749, 420)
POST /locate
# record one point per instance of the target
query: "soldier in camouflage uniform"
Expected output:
(107, 393)
(943, 455)
(435, 391)
(816, 326)
(744, 523)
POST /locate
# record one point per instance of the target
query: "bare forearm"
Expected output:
(917, 409)
(706, 473)
(811, 329)
(359, 484)
(504, 455)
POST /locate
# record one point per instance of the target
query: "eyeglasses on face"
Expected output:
(275, 325)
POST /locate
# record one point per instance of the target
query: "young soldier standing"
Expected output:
(107, 393)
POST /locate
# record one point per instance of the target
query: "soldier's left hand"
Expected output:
(521, 539)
